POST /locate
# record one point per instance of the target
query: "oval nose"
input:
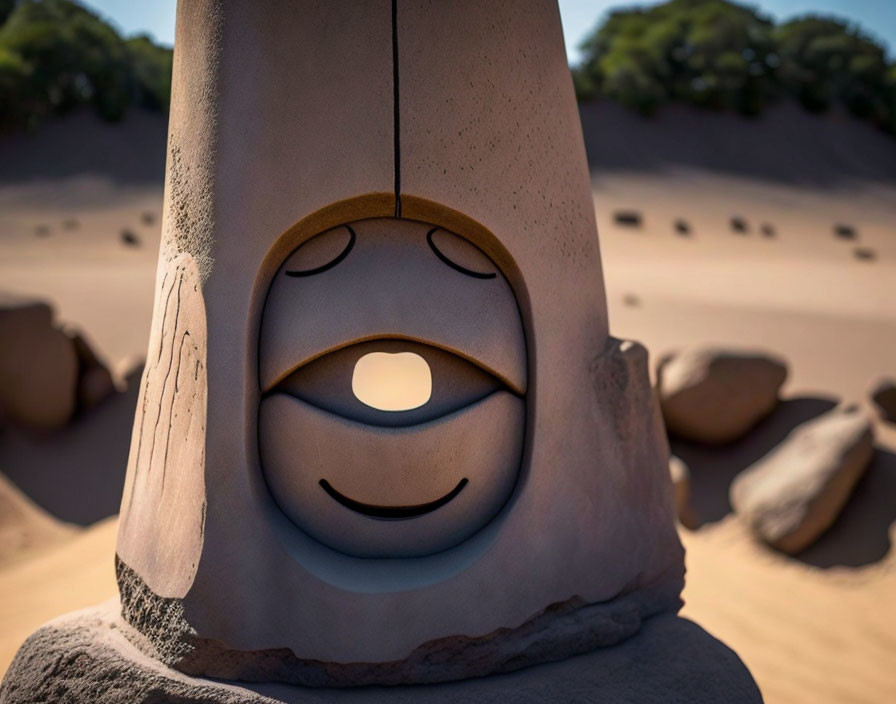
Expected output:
(388, 381)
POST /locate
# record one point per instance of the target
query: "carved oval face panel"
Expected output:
(392, 363)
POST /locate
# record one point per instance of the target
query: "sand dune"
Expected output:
(817, 628)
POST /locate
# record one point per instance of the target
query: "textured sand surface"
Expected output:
(817, 628)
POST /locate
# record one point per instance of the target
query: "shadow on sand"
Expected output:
(859, 536)
(77, 473)
(714, 467)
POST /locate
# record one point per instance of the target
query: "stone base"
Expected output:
(91, 656)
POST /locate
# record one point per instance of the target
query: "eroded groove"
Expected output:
(152, 450)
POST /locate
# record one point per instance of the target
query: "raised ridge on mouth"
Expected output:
(392, 512)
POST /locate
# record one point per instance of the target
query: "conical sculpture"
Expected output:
(384, 436)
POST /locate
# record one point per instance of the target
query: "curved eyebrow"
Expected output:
(329, 265)
(453, 265)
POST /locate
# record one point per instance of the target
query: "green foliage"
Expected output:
(721, 55)
(151, 64)
(56, 55)
(5, 9)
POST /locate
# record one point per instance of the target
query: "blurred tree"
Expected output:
(56, 55)
(722, 55)
(825, 61)
(151, 65)
(711, 53)
(5, 9)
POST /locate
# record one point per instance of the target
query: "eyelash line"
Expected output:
(456, 267)
(333, 262)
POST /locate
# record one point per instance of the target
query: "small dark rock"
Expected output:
(631, 300)
(682, 227)
(864, 253)
(148, 217)
(768, 230)
(628, 218)
(739, 225)
(130, 239)
(42, 230)
(845, 232)
(71, 224)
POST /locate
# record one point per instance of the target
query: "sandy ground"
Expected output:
(818, 628)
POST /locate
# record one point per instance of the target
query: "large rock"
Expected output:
(715, 395)
(95, 382)
(884, 396)
(792, 495)
(38, 366)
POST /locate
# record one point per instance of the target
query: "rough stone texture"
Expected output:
(91, 656)
(883, 393)
(715, 395)
(161, 533)
(188, 222)
(793, 494)
(681, 482)
(38, 366)
(560, 631)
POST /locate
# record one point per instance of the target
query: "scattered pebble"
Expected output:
(71, 224)
(129, 238)
(883, 394)
(739, 225)
(864, 254)
(716, 395)
(682, 227)
(794, 493)
(628, 218)
(768, 230)
(845, 232)
(631, 300)
(42, 230)
(148, 217)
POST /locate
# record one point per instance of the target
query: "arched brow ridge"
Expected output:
(330, 264)
(454, 265)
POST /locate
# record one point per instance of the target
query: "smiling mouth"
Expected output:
(392, 512)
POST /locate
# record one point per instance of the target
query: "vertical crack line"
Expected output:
(396, 117)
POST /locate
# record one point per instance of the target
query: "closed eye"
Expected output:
(452, 264)
(330, 264)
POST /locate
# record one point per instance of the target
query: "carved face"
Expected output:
(392, 362)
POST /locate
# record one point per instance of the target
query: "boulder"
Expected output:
(95, 382)
(883, 393)
(715, 395)
(793, 494)
(681, 483)
(38, 366)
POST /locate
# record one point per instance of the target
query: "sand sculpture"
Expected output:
(360, 192)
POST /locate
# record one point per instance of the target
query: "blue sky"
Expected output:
(877, 17)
